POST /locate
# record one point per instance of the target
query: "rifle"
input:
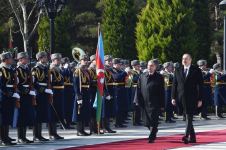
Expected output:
(50, 96)
(50, 99)
(17, 103)
(34, 103)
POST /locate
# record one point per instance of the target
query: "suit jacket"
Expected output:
(150, 96)
(188, 89)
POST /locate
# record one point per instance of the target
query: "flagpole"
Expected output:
(98, 31)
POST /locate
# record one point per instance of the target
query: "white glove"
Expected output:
(16, 95)
(49, 91)
(79, 101)
(211, 71)
(108, 97)
(66, 66)
(162, 72)
(145, 70)
(32, 93)
(127, 70)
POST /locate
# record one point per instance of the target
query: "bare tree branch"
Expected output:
(17, 17)
(32, 10)
(36, 24)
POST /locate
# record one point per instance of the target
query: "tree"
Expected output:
(165, 30)
(203, 30)
(76, 26)
(25, 11)
(216, 23)
(5, 13)
(118, 28)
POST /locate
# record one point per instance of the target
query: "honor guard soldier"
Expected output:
(143, 66)
(167, 74)
(135, 77)
(119, 82)
(44, 96)
(207, 89)
(10, 97)
(93, 91)
(128, 88)
(82, 82)
(28, 97)
(109, 91)
(57, 104)
(219, 89)
(68, 90)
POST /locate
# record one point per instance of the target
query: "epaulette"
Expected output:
(76, 72)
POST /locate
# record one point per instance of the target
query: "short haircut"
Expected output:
(189, 55)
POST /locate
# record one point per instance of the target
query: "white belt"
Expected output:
(43, 84)
(25, 86)
(8, 85)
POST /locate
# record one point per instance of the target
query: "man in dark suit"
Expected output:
(150, 97)
(187, 86)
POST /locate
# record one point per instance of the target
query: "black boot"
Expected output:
(192, 138)
(53, 132)
(106, 125)
(20, 135)
(24, 135)
(185, 139)
(38, 133)
(35, 133)
(93, 126)
(80, 129)
(7, 134)
(153, 133)
(218, 112)
(6, 141)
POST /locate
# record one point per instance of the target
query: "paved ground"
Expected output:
(71, 140)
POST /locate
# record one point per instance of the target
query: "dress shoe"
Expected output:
(36, 139)
(55, 137)
(170, 121)
(151, 139)
(205, 118)
(109, 131)
(220, 116)
(82, 133)
(10, 139)
(7, 143)
(96, 132)
(28, 141)
(192, 140)
(21, 141)
(40, 139)
(24, 141)
(185, 140)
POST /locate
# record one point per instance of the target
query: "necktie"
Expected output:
(185, 72)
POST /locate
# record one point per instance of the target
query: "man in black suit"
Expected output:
(150, 97)
(187, 86)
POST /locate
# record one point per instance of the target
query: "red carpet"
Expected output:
(162, 143)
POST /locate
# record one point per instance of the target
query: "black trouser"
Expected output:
(189, 126)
